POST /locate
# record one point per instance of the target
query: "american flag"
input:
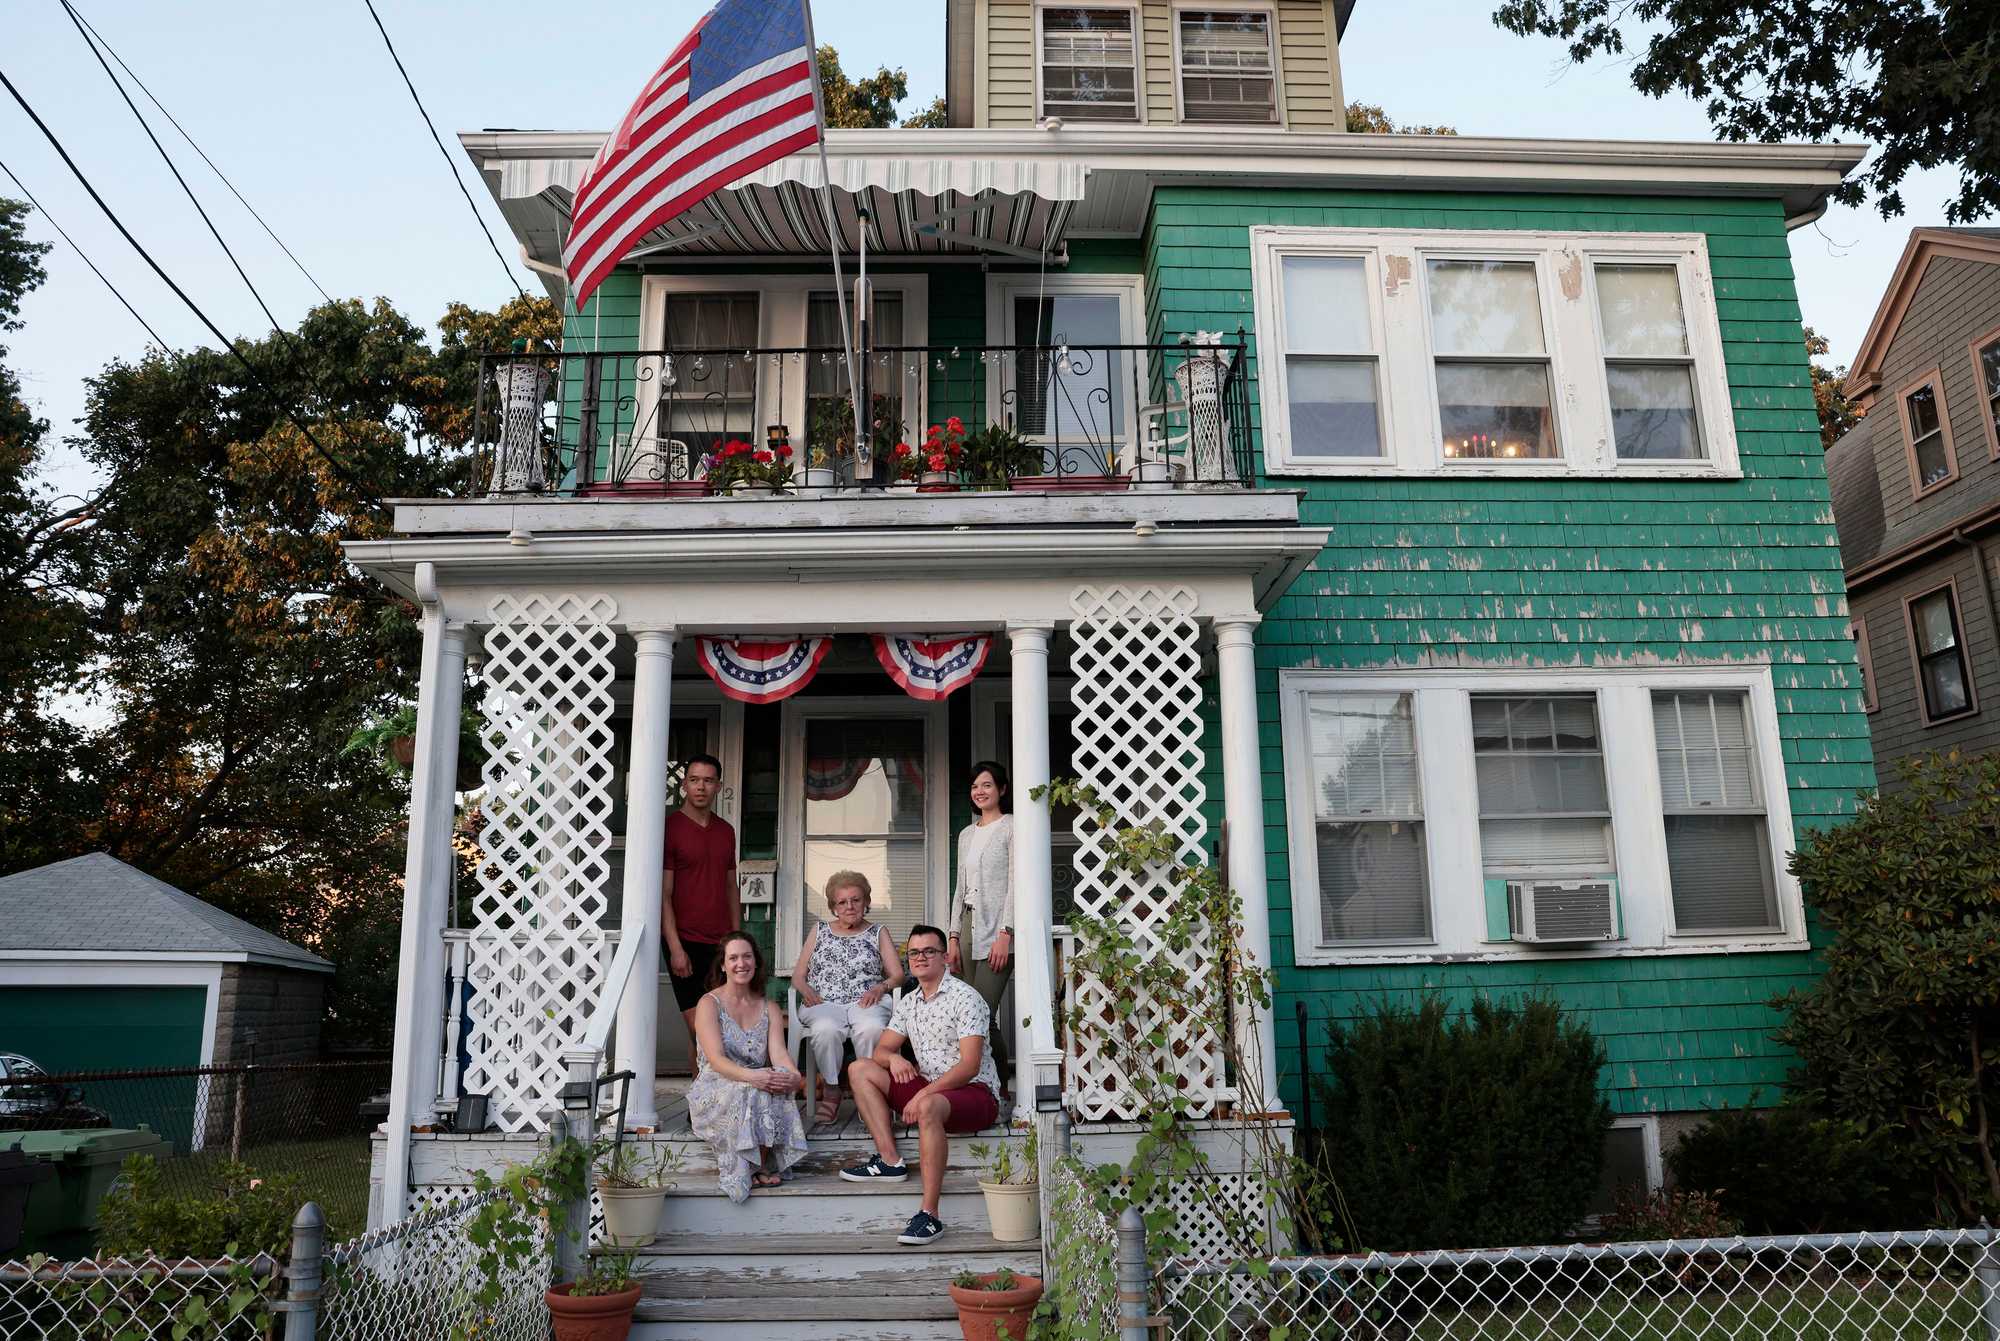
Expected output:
(736, 94)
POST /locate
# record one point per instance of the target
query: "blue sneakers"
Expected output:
(923, 1229)
(876, 1170)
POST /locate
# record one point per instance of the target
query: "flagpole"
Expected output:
(862, 447)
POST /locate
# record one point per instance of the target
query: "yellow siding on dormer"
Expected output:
(1010, 71)
(1307, 61)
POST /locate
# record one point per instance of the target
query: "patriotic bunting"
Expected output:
(932, 667)
(754, 670)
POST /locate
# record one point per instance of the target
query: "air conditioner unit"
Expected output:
(1563, 912)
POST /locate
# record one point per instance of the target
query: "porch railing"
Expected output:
(1090, 417)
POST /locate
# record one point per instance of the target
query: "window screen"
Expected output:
(1544, 807)
(1368, 824)
(1227, 69)
(1718, 839)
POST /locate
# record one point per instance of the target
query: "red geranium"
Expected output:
(762, 458)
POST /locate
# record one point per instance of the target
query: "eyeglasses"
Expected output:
(924, 954)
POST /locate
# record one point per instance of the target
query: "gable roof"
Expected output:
(1864, 375)
(97, 904)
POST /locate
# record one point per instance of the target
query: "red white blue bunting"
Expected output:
(932, 667)
(753, 670)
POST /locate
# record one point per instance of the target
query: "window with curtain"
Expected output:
(1089, 65)
(1067, 384)
(827, 404)
(1492, 356)
(1544, 806)
(709, 395)
(1332, 372)
(1368, 819)
(1718, 841)
(865, 790)
(1229, 72)
(1648, 364)
(1930, 445)
(1941, 668)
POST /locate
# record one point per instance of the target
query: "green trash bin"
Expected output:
(62, 1212)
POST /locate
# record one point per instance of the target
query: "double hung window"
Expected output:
(1229, 66)
(1942, 674)
(1332, 366)
(1089, 64)
(1544, 807)
(1985, 353)
(1718, 848)
(1648, 366)
(1368, 819)
(1492, 360)
(1927, 433)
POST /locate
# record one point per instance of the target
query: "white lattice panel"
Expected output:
(1137, 662)
(538, 921)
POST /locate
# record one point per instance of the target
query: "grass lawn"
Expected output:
(332, 1172)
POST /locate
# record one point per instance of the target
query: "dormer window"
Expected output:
(1228, 66)
(1089, 63)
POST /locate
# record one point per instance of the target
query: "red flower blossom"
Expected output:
(762, 458)
(937, 461)
(902, 449)
(955, 424)
(784, 453)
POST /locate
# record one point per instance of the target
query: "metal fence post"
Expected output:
(303, 1276)
(1135, 1281)
(1987, 1272)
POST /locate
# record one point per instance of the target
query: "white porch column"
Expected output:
(1243, 810)
(645, 858)
(420, 980)
(1034, 861)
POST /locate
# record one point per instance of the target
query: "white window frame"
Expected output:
(1268, 8)
(1138, 57)
(1566, 272)
(1442, 706)
(1130, 290)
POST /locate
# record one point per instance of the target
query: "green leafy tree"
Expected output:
(1365, 118)
(1901, 1036)
(1836, 413)
(870, 103)
(1913, 77)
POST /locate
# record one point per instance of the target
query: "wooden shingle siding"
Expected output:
(1898, 726)
(1956, 300)
(1456, 571)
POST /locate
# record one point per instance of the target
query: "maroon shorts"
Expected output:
(973, 1107)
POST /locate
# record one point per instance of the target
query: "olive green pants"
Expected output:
(991, 986)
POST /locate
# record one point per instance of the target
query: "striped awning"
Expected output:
(915, 207)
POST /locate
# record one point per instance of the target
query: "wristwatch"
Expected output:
(1008, 930)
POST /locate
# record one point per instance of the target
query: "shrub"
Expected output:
(1464, 1130)
(1642, 1217)
(1787, 1170)
(238, 1215)
(1898, 1037)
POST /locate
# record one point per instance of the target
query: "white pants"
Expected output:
(830, 1024)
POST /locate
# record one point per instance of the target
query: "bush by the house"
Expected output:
(1898, 1036)
(239, 1214)
(1464, 1130)
(1640, 1216)
(1787, 1170)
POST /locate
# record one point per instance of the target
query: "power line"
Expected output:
(451, 165)
(346, 476)
(50, 219)
(198, 149)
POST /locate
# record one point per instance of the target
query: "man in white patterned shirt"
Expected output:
(952, 1088)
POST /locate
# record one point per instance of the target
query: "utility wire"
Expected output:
(167, 158)
(451, 164)
(347, 476)
(198, 149)
(50, 220)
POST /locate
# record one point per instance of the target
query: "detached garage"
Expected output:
(104, 968)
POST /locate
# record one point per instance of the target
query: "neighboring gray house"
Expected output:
(102, 967)
(1916, 496)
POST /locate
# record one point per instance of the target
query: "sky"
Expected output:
(300, 105)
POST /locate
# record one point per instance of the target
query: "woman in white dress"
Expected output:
(981, 950)
(844, 974)
(741, 1102)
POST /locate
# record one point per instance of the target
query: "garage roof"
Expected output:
(96, 906)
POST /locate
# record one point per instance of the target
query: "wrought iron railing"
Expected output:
(1078, 417)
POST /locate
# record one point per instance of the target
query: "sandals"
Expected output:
(826, 1110)
(763, 1178)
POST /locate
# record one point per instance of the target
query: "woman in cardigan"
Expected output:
(982, 909)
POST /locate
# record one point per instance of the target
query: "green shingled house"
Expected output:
(1441, 521)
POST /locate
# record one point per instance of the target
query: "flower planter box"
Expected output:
(1071, 484)
(934, 482)
(646, 489)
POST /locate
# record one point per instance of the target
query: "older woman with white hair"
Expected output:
(844, 974)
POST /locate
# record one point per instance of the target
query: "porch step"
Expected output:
(687, 1264)
(817, 1201)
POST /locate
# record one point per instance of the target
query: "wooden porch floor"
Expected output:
(846, 1130)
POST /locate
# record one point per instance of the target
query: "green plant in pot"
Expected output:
(633, 1184)
(393, 740)
(995, 1305)
(1013, 1196)
(996, 454)
(597, 1305)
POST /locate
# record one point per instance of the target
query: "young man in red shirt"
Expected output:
(699, 901)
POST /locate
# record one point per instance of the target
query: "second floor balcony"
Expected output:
(943, 418)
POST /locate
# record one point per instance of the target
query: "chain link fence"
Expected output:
(1079, 1248)
(146, 1300)
(1938, 1285)
(420, 1279)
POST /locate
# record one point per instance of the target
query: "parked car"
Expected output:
(49, 1104)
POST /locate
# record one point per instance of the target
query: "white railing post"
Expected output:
(456, 942)
(645, 858)
(426, 889)
(1035, 1048)
(1243, 811)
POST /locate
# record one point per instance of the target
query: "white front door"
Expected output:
(864, 789)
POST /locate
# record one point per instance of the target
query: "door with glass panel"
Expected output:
(701, 392)
(1067, 386)
(894, 379)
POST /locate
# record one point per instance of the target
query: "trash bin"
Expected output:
(86, 1163)
(18, 1175)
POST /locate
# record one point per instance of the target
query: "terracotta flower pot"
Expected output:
(403, 749)
(598, 1317)
(983, 1314)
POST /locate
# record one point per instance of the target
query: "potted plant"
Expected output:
(598, 1305)
(1013, 1197)
(393, 740)
(995, 1305)
(821, 473)
(633, 1186)
(997, 454)
(906, 466)
(943, 456)
(737, 467)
